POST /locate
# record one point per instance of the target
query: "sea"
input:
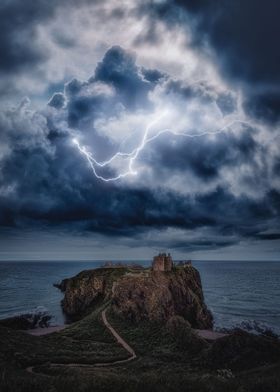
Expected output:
(243, 294)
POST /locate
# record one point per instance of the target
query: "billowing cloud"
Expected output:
(199, 184)
(181, 106)
(240, 37)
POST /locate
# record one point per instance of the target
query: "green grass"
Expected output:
(85, 342)
(165, 362)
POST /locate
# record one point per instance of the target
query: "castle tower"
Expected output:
(162, 262)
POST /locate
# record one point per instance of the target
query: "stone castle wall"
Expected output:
(162, 262)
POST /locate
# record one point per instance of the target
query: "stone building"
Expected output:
(162, 262)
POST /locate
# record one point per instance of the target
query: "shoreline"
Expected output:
(207, 334)
(45, 331)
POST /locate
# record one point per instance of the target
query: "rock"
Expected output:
(161, 295)
(61, 285)
(86, 290)
(27, 321)
(139, 295)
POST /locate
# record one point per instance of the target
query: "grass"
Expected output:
(166, 361)
(85, 342)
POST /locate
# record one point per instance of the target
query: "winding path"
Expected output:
(118, 338)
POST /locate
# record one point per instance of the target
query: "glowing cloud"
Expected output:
(132, 156)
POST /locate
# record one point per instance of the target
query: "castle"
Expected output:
(162, 262)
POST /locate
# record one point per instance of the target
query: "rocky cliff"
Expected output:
(87, 290)
(145, 295)
(160, 295)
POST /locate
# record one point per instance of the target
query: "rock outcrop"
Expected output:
(27, 321)
(88, 289)
(137, 296)
(160, 295)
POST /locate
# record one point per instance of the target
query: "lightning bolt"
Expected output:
(133, 155)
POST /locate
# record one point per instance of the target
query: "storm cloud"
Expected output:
(240, 36)
(208, 176)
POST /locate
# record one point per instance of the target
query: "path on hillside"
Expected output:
(118, 338)
(206, 334)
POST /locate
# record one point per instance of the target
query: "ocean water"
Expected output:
(234, 291)
(242, 291)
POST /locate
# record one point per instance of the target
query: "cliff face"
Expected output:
(147, 295)
(86, 290)
(162, 295)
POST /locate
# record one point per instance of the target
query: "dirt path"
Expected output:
(118, 338)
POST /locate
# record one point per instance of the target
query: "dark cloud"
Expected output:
(23, 53)
(73, 87)
(84, 109)
(18, 21)
(118, 68)
(152, 75)
(58, 190)
(117, 71)
(206, 157)
(219, 189)
(57, 101)
(269, 236)
(45, 182)
(264, 106)
(243, 37)
(18, 25)
(226, 101)
(242, 34)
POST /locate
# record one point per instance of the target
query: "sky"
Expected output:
(131, 127)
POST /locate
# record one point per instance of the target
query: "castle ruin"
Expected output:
(162, 262)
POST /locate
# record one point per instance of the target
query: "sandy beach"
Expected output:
(45, 331)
